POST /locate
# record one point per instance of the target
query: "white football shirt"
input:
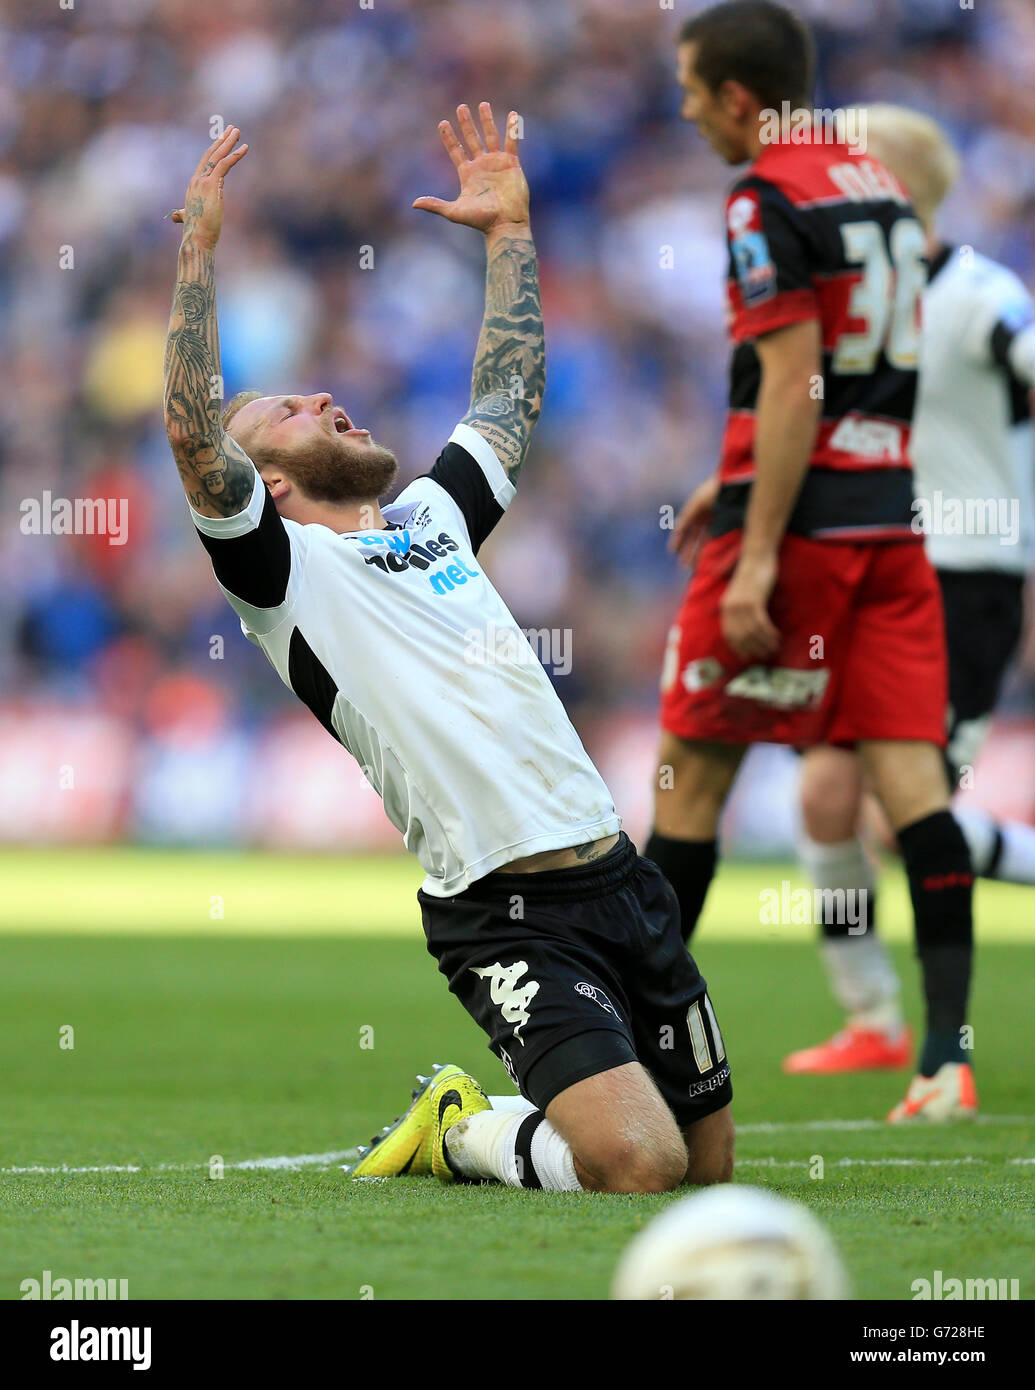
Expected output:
(401, 647)
(972, 436)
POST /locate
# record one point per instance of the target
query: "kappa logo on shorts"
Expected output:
(503, 990)
(701, 1088)
(597, 995)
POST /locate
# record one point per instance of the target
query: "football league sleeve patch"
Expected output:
(770, 266)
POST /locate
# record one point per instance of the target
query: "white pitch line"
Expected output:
(868, 1162)
(781, 1126)
(298, 1161)
(286, 1162)
(332, 1159)
(64, 1168)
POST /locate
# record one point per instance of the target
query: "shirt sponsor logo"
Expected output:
(872, 439)
(397, 552)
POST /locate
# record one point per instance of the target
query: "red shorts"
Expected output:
(862, 649)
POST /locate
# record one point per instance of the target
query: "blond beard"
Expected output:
(334, 470)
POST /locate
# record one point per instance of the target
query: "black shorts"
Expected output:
(984, 612)
(576, 971)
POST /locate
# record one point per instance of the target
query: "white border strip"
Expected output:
(240, 523)
(488, 461)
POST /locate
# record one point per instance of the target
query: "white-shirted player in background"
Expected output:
(558, 939)
(971, 440)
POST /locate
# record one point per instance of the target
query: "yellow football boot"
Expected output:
(452, 1099)
(404, 1148)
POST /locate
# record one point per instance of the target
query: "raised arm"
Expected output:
(217, 475)
(510, 362)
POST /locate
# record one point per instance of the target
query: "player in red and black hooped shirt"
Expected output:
(813, 614)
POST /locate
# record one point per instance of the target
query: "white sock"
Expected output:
(1016, 862)
(864, 980)
(882, 1018)
(860, 970)
(842, 865)
(981, 834)
(520, 1150)
(511, 1105)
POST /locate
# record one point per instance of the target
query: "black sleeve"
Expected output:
(1002, 337)
(255, 566)
(457, 473)
(772, 260)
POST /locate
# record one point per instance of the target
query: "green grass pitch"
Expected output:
(220, 1007)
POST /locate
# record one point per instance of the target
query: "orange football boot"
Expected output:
(948, 1095)
(853, 1049)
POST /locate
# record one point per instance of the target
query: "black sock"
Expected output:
(689, 866)
(941, 882)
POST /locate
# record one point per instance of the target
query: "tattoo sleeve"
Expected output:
(216, 473)
(510, 361)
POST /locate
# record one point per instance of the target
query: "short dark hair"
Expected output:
(761, 45)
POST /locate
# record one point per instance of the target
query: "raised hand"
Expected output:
(202, 211)
(493, 191)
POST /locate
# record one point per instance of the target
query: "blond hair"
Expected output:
(236, 402)
(917, 151)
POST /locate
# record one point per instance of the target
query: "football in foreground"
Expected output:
(732, 1242)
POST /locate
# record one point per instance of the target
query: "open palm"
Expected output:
(493, 191)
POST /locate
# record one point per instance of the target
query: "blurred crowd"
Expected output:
(328, 280)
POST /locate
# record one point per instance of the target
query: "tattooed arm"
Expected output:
(217, 475)
(509, 368)
(510, 362)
